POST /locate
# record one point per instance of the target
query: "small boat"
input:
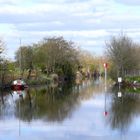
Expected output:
(18, 85)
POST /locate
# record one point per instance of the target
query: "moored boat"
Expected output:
(18, 85)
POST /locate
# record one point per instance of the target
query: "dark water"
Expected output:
(70, 112)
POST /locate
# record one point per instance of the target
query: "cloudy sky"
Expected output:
(89, 23)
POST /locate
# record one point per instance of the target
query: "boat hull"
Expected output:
(18, 87)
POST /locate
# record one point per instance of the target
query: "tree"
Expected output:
(88, 61)
(56, 55)
(121, 53)
(2, 46)
(24, 58)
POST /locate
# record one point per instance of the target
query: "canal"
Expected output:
(70, 112)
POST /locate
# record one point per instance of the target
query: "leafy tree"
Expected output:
(56, 55)
(88, 62)
(24, 58)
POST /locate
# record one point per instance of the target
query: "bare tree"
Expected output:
(121, 52)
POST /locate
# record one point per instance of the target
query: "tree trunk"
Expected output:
(29, 74)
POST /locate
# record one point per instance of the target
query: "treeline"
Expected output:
(53, 55)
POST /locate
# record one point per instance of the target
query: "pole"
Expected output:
(19, 117)
(105, 67)
(20, 59)
(119, 92)
(105, 79)
(1, 50)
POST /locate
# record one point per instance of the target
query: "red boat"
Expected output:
(18, 85)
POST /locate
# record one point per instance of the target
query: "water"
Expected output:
(70, 112)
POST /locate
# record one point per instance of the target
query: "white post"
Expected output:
(119, 81)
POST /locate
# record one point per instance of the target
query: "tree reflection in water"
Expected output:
(123, 110)
(55, 102)
(51, 103)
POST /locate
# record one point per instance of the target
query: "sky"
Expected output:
(89, 23)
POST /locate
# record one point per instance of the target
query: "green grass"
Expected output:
(132, 79)
(42, 79)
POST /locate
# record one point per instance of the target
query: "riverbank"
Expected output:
(52, 79)
(132, 81)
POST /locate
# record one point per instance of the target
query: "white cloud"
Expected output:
(129, 2)
(88, 22)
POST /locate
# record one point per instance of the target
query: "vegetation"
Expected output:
(132, 79)
(51, 55)
(59, 59)
(48, 59)
(123, 55)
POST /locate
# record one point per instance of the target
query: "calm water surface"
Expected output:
(70, 112)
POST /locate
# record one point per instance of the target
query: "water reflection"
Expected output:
(51, 103)
(68, 109)
(123, 110)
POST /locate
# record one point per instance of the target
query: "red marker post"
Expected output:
(105, 65)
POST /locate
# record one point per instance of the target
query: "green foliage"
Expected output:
(11, 66)
(51, 55)
(39, 81)
(24, 57)
(132, 79)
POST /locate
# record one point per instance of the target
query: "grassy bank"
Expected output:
(131, 79)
